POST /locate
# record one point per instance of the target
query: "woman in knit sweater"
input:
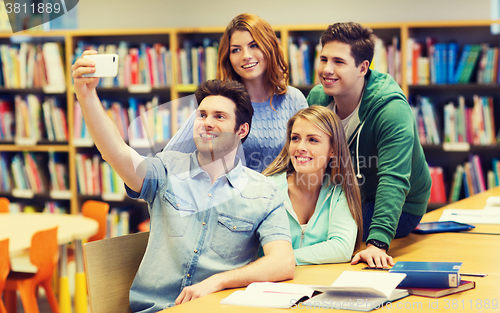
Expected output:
(250, 53)
(322, 199)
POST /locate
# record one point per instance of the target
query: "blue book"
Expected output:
(495, 168)
(443, 63)
(436, 55)
(452, 61)
(461, 64)
(466, 186)
(428, 274)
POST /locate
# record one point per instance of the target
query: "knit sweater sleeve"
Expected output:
(342, 232)
(267, 136)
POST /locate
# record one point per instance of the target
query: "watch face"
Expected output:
(378, 244)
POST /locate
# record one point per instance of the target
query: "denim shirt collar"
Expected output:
(234, 176)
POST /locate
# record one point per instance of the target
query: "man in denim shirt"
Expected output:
(209, 214)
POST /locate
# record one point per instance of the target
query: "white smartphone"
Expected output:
(106, 65)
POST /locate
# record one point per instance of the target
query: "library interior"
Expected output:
(443, 54)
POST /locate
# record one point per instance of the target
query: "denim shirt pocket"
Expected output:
(178, 215)
(231, 236)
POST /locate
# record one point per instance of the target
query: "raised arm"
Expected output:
(127, 163)
(277, 264)
(395, 148)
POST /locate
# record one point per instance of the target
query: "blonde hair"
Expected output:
(340, 172)
(276, 76)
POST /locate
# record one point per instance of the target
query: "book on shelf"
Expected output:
(490, 179)
(118, 222)
(197, 61)
(55, 207)
(18, 174)
(54, 68)
(441, 292)
(495, 165)
(438, 192)
(445, 66)
(452, 55)
(424, 113)
(380, 57)
(417, 50)
(7, 117)
(470, 65)
(140, 64)
(54, 119)
(409, 60)
(5, 175)
(300, 54)
(359, 291)
(478, 173)
(456, 185)
(58, 172)
(36, 176)
(28, 124)
(462, 124)
(428, 274)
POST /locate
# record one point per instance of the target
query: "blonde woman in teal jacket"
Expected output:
(323, 203)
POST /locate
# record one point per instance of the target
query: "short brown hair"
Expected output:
(360, 39)
(234, 91)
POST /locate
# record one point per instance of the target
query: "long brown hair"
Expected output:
(339, 169)
(276, 76)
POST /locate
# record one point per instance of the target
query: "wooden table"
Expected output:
(479, 254)
(20, 227)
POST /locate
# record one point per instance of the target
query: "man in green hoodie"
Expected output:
(387, 156)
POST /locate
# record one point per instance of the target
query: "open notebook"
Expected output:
(361, 291)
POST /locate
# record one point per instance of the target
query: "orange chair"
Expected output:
(4, 205)
(44, 254)
(144, 226)
(98, 211)
(4, 269)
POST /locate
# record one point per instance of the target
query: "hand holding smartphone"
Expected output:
(106, 65)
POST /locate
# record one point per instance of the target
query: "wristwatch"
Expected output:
(379, 244)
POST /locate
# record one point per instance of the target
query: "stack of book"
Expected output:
(431, 279)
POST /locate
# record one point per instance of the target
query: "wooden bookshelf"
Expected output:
(469, 31)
